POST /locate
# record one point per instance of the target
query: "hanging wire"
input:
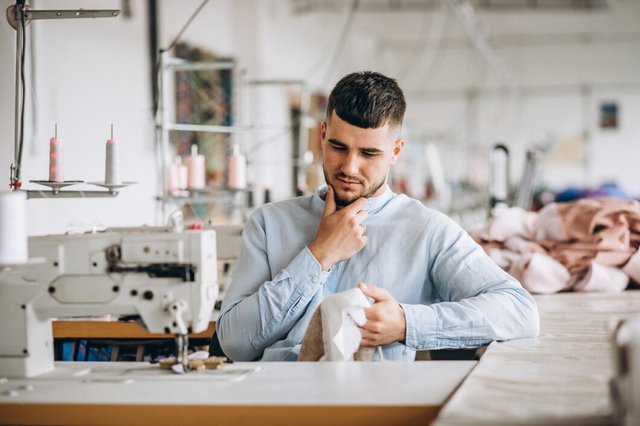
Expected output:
(32, 86)
(344, 34)
(186, 25)
(22, 95)
(433, 42)
(348, 10)
(437, 58)
(156, 89)
(418, 50)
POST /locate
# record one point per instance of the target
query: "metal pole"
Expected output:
(303, 139)
(159, 137)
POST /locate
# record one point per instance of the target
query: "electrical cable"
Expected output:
(417, 51)
(349, 9)
(433, 42)
(186, 25)
(346, 29)
(171, 46)
(32, 91)
(22, 100)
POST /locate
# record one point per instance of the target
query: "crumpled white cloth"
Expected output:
(342, 313)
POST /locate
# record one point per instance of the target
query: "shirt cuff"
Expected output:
(422, 326)
(306, 268)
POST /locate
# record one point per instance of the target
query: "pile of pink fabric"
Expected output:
(585, 245)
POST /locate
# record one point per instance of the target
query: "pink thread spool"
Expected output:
(237, 169)
(55, 158)
(176, 177)
(196, 170)
(183, 174)
(171, 179)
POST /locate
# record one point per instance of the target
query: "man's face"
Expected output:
(356, 161)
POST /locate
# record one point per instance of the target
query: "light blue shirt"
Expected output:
(453, 295)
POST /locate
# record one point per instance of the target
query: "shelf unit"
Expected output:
(164, 125)
(203, 196)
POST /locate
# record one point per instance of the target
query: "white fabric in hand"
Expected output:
(342, 313)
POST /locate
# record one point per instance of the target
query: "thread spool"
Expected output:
(112, 162)
(183, 174)
(176, 177)
(171, 179)
(55, 158)
(237, 169)
(195, 169)
(13, 228)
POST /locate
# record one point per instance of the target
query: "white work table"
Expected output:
(561, 377)
(371, 393)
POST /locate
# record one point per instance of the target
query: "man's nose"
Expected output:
(350, 164)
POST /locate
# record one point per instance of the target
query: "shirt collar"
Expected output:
(374, 204)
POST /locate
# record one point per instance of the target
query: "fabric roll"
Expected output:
(602, 278)
(540, 273)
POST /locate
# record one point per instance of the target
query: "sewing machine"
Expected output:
(167, 278)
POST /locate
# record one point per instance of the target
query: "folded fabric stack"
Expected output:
(586, 245)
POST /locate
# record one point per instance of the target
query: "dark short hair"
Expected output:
(367, 99)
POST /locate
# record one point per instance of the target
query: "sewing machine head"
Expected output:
(167, 278)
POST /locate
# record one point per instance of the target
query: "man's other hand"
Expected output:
(385, 318)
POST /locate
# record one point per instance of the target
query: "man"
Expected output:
(432, 286)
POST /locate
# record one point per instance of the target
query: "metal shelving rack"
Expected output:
(168, 66)
(241, 89)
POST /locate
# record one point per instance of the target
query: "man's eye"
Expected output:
(339, 148)
(369, 154)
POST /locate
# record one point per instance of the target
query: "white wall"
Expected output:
(89, 73)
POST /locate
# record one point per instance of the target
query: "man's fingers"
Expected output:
(376, 293)
(361, 216)
(357, 206)
(368, 338)
(358, 218)
(368, 343)
(329, 202)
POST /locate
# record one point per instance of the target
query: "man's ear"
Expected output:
(398, 146)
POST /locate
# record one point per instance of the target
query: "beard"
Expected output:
(345, 199)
